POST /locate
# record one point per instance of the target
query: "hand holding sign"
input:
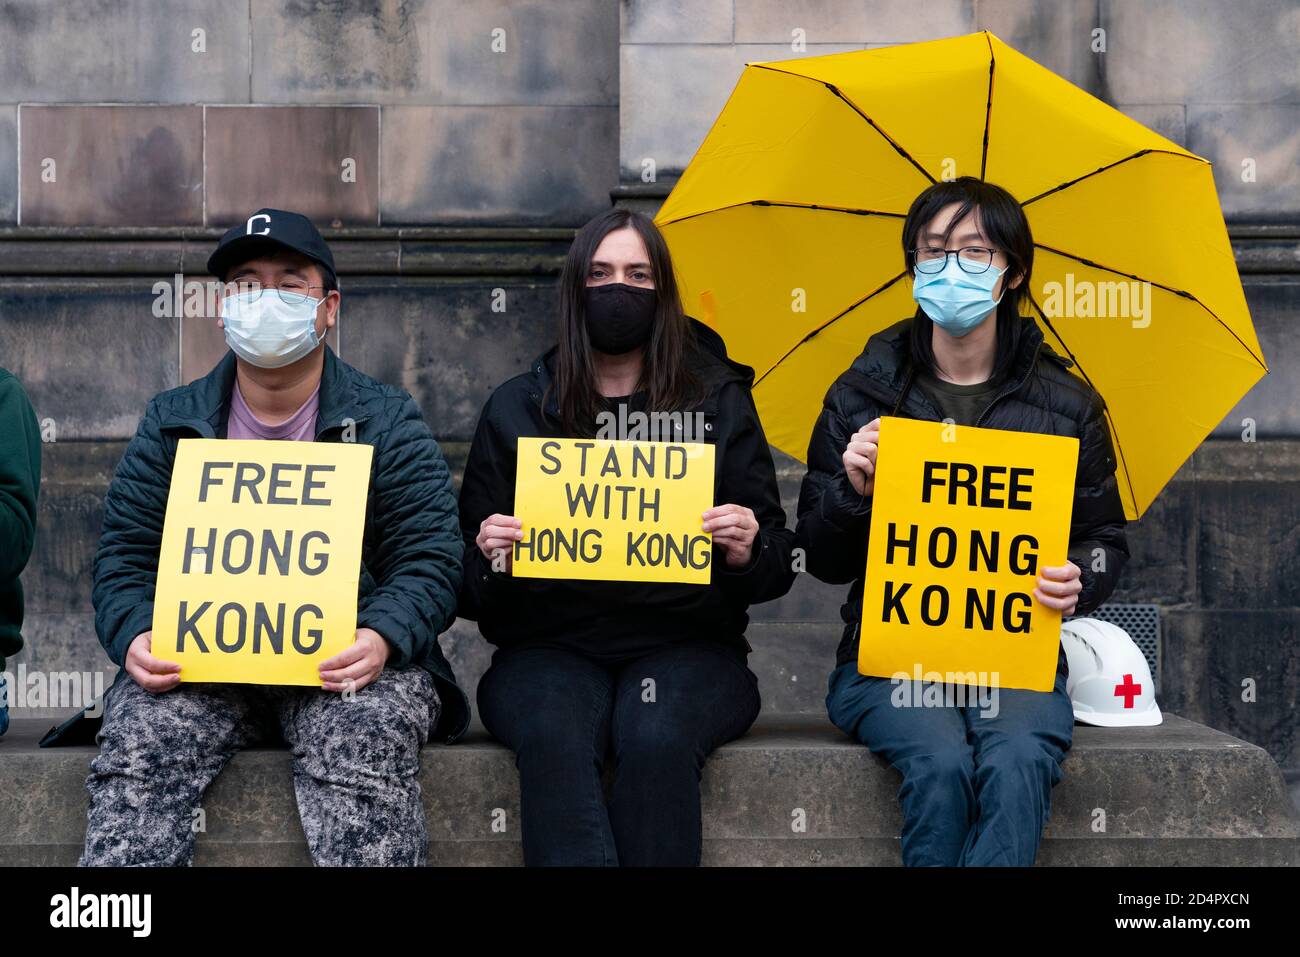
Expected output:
(734, 528)
(496, 539)
(150, 673)
(1059, 587)
(860, 457)
(357, 665)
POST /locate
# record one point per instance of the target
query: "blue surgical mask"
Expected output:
(267, 331)
(955, 300)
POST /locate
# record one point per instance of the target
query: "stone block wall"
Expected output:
(195, 112)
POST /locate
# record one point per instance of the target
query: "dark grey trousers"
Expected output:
(356, 761)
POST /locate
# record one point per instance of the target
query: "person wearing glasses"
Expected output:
(976, 783)
(356, 739)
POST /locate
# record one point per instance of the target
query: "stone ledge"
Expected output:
(1177, 794)
(158, 252)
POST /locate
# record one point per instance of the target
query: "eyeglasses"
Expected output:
(291, 292)
(971, 259)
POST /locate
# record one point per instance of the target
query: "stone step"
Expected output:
(1176, 794)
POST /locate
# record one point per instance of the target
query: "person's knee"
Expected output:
(557, 749)
(353, 744)
(1021, 754)
(850, 697)
(559, 730)
(843, 714)
(400, 704)
(375, 764)
(938, 768)
(153, 733)
(657, 746)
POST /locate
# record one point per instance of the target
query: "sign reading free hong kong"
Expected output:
(961, 521)
(614, 510)
(260, 558)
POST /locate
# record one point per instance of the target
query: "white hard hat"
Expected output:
(1110, 681)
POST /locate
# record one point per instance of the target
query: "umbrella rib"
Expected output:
(1119, 447)
(835, 91)
(769, 202)
(988, 109)
(827, 323)
(1101, 169)
(1159, 285)
(829, 209)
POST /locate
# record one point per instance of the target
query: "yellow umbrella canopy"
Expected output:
(785, 230)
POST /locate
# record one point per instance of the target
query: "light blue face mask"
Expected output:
(268, 332)
(955, 300)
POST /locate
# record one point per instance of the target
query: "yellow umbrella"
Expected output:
(785, 231)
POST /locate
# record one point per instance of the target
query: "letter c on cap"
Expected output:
(261, 232)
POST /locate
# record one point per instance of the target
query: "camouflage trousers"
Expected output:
(355, 766)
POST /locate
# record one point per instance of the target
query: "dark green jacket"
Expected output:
(20, 479)
(412, 549)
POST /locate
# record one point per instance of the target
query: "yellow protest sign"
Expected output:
(961, 520)
(260, 558)
(614, 510)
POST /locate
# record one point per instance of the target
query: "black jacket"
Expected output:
(1040, 395)
(609, 620)
(411, 549)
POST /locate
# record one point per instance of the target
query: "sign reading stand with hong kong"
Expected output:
(260, 559)
(614, 510)
(962, 518)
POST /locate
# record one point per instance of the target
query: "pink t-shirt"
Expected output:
(299, 427)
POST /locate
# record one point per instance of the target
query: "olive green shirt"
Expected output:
(964, 404)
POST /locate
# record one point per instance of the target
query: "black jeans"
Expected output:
(653, 719)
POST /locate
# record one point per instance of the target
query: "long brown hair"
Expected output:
(665, 375)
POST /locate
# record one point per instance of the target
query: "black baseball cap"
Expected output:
(267, 230)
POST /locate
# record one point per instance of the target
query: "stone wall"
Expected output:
(452, 147)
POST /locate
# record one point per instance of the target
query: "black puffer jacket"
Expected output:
(1040, 396)
(609, 620)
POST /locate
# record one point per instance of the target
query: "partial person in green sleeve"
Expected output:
(20, 479)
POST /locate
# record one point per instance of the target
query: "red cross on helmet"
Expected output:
(1109, 682)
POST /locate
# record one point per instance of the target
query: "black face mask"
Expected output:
(620, 317)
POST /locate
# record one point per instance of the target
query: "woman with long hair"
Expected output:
(637, 680)
(976, 782)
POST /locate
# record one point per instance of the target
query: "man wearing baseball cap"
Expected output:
(356, 740)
